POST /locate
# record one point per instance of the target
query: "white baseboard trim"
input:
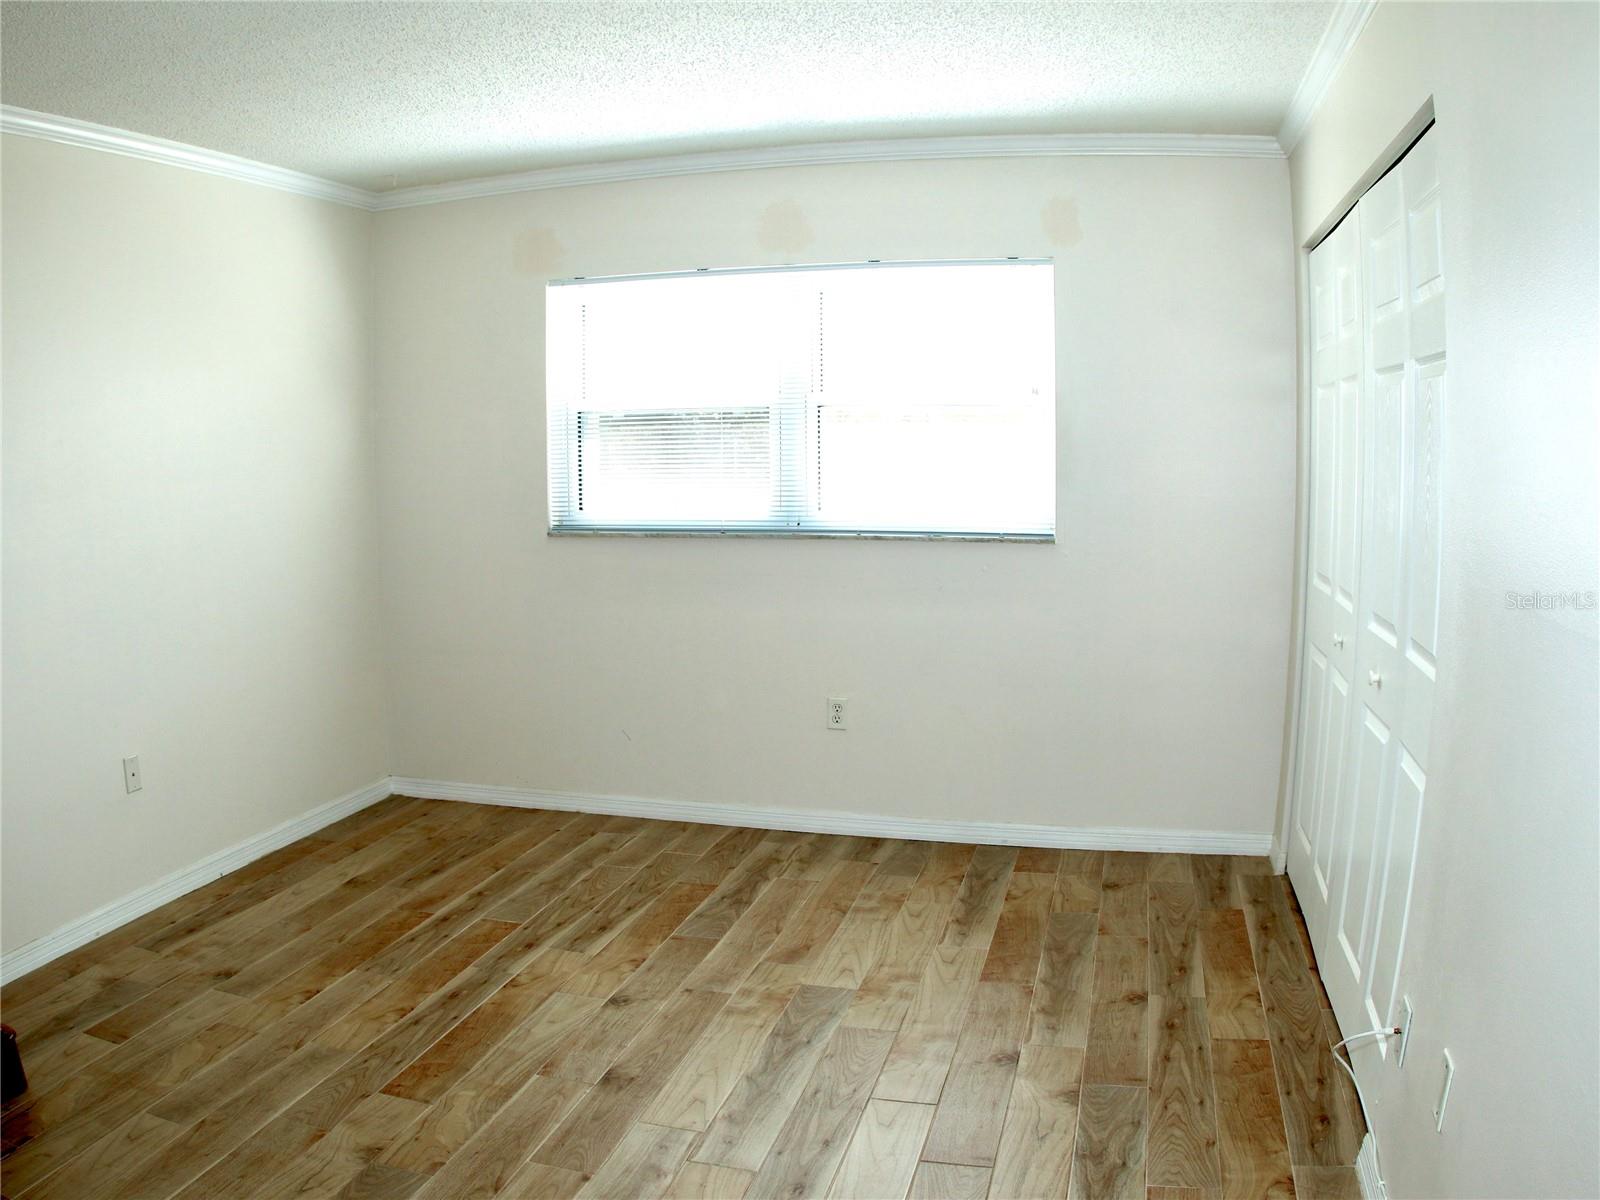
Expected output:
(1177, 841)
(135, 904)
(102, 920)
(1367, 1177)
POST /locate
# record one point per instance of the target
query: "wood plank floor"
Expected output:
(441, 1000)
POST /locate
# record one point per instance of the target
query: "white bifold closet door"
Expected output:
(1372, 584)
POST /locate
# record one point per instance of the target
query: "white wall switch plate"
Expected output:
(131, 778)
(836, 713)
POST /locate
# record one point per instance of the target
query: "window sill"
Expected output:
(1045, 539)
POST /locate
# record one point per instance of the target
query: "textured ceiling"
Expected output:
(386, 95)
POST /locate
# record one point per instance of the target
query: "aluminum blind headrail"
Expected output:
(903, 399)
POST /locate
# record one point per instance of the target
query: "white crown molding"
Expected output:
(831, 153)
(26, 123)
(135, 904)
(1348, 19)
(806, 820)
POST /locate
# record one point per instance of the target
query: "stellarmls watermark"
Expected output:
(1580, 600)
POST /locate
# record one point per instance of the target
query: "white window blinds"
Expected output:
(914, 399)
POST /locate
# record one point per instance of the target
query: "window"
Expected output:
(905, 399)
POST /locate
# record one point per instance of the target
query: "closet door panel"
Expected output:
(1417, 660)
(1333, 564)
(1375, 842)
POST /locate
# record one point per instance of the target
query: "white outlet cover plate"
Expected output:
(1444, 1092)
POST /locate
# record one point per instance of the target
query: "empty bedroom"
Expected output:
(800, 601)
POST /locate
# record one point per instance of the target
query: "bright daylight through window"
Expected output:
(898, 399)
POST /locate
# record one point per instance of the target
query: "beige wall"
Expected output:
(1501, 958)
(189, 568)
(1130, 675)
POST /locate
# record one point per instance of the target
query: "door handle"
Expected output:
(1338, 641)
(1374, 679)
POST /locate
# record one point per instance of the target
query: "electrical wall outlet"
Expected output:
(836, 712)
(131, 778)
(1444, 1092)
(1405, 1031)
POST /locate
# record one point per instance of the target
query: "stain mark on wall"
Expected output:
(1060, 221)
(537, 251)
(784, 228)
